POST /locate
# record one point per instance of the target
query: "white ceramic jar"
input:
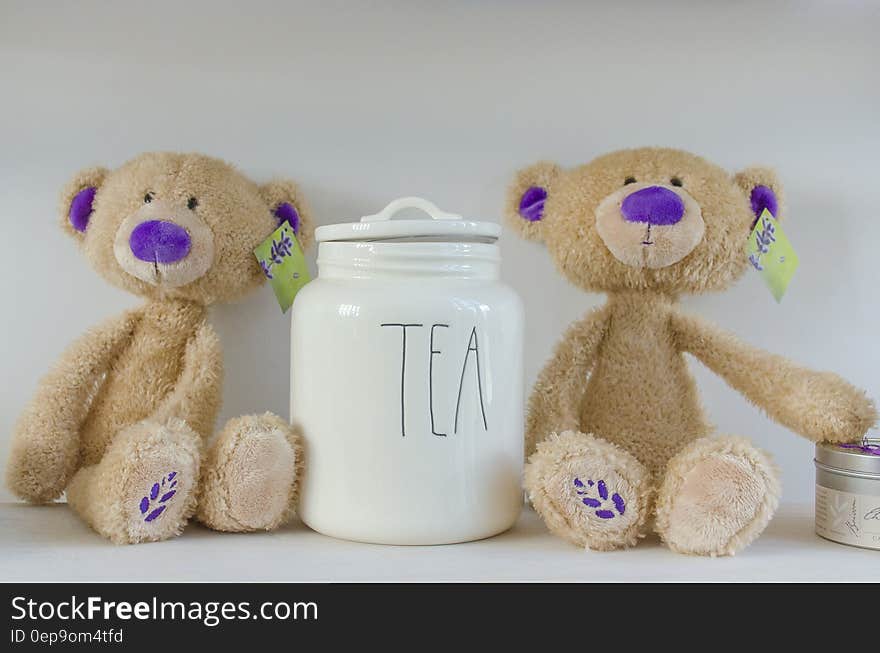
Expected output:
(407, 381)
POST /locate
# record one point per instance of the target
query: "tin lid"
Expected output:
(863, 457)
(441, 226)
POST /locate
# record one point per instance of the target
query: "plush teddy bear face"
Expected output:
(649, 218)
(180, 226)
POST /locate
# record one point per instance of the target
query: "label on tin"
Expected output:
(848, 518)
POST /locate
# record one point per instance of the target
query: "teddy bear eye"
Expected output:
(192, 203)
(148, 198)
(629, 180)
(675, 181)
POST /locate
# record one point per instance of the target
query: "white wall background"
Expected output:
(362, 102)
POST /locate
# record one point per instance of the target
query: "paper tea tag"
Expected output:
(284, 265)
(771, 254)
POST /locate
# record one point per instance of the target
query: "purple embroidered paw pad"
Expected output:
(600, 505)
(156, 501)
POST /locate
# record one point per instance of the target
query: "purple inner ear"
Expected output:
(531, 204)
(81, 208)
(763, 197)
(285, 212)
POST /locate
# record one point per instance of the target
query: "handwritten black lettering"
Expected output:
(434, 352)
(403, 328)
(473, 346)
(873, 514)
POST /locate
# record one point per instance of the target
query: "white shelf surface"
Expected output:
(48, 543)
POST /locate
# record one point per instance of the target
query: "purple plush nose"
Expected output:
(159, 241)
(655, 205)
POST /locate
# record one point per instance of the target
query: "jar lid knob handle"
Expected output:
(410, 203)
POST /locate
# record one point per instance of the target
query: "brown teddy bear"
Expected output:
(121, 421)
(615, 431)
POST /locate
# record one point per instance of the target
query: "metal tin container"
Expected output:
(848, 493)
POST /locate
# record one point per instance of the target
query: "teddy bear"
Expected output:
(616, 438)
(122, 421)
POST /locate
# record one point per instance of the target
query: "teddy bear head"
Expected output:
(643, 219)
(178, 226)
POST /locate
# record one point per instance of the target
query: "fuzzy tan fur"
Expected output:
(718, 494)
(132, 403)
(618, 387)
(248, 468)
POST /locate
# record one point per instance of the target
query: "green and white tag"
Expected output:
(284, 265)
(771, 254)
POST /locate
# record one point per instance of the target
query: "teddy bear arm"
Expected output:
(821, 406)
(197, 394)
(45, 443)
(556, 397)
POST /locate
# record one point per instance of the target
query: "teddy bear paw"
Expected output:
(159, 510)
(158, 488)
(589, 491)
(252, 475)
(717, 496)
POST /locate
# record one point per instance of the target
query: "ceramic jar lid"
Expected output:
(442, 226)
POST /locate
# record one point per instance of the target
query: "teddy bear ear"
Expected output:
(287, 205)
(78, 199)
(527, 196)
(762, 189)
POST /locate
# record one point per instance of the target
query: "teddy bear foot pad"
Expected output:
(143, 489)
(251, 475)
(718, 495)
(589, 491)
